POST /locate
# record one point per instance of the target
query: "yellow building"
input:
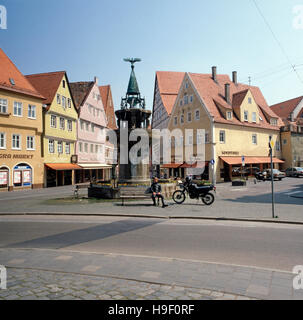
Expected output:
(237, 121)
(21, 164)
(59, 128)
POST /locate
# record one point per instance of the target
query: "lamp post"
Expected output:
(271, 146)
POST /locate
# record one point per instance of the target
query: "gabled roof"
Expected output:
(80, 91)
(238, 98)
(104, 92)
(169, 83)
(47, 83)
(212, 92)
(10, 71)
(283, 109)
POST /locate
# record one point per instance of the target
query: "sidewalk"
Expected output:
(55, 274)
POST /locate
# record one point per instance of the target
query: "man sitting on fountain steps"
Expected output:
(156, 190)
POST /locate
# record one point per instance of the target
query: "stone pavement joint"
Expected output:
(73, 287)
(188, 277)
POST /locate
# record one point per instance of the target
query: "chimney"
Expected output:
(214, 73)
(235, 77)
(96, 80)
(227, 92)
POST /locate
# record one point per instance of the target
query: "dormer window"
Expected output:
(245, 115)
(229, 115)
(273, 121)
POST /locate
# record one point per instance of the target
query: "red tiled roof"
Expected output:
(10, 71)
(212, 93)
(80, 91)
(104, 91)
(106, 96)
(169, 83)
(283, 109)
(47, 83)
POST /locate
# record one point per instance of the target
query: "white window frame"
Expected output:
(224, 136)
(33, 142)
(51, 146)
(70, 125)
(63, 102)
(60, 147)
(229, 115)
(67, 147)
(62, 127)
(3, 137)
(245, 115)
(249, 100)
(278, 145)
(31, 112)
(69, 102)
(21, 108)
(13, 140)
(3, 106)
(53, 124)
(254, 117)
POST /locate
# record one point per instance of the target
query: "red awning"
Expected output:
(250, 160)
(63, 166)
(171, 165)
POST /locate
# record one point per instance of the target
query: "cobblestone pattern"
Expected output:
(25, 284)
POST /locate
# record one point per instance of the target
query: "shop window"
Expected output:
(4, 177)
(22, 175)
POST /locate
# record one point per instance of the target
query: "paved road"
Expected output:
(252, 202)
(277, 247)
(251, 259)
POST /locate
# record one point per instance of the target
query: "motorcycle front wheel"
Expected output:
(179, 197)
(208, 199)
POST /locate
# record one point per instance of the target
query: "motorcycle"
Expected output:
(195, 192)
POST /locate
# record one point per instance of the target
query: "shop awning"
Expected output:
(194, 165)
(171, 165)
(184, 165)
(63, 166)
(94, 166)
(250, 160)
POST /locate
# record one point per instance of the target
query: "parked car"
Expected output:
(276, 173)
(294, 172)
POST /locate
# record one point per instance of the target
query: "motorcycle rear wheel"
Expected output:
(179, 197)
(208, 199)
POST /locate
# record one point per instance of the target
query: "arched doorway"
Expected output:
(4, 178)
(22, 175)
